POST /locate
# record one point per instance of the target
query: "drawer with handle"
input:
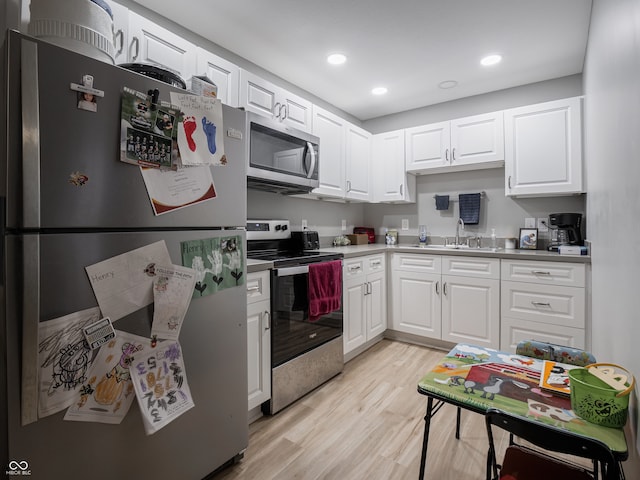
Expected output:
(546, 273)
(544, 303)
(258, 286)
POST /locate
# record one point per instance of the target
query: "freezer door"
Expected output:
(214, 343)
(51, 139)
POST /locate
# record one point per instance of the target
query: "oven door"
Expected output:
(292, 333)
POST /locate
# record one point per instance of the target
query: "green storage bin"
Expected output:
(598, 402)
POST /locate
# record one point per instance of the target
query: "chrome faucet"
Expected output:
(459, 224)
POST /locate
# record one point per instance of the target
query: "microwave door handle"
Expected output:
(314, 159)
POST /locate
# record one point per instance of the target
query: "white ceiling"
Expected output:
(409, 46)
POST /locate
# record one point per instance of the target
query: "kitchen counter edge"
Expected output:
(539, 255)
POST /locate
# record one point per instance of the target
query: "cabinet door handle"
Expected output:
(401, 194)
(540, 272)
(509, 182)
(277, 108)
(444, 288)
(438, 288)
(267, 317)
(540, 304)
(354, 268)
(286, 112)
(348, 185)
(119, 34)
(135, 42)
(446, 155)
(453, 154)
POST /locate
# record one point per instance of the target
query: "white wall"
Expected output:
(612, 150)
(504, 214)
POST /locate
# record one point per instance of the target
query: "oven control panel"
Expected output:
(268, 229)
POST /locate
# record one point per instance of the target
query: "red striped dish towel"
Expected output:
(325, 288)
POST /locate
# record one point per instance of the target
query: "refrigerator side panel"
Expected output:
(73, 142)
(214, 345)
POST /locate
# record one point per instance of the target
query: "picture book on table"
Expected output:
(554, 377)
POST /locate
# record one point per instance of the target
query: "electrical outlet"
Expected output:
(405, 224)
(304, 224)
(529, 222)
(542, 225)
(344, 225)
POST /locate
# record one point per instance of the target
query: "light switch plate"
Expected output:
(304, 223)
(542, 224)
(344, 225)
(405, 224)
(529, 222)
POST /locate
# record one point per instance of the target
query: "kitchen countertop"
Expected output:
(540, 255)
(352, 251)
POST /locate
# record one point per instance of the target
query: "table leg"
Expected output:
(425, 439)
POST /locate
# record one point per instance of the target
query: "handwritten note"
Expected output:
(124, 283)
(172, 291)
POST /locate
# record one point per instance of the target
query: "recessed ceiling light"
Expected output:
(491, 60)
(379, 90)
(448, 84)
(336, 59)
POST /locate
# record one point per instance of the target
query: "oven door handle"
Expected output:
(288, 271)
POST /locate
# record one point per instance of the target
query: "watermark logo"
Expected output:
(18, 467)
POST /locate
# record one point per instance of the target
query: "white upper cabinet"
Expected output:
(331, 130)
(264, 98)
(120, 32)
(358, 155)
(543, 154)
(223, 73)
(391, 181)
(462, 144)
(150, 43)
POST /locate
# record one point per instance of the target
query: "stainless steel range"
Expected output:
(305, 352)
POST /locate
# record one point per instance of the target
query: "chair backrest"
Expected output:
(558, 353)
(550, 438)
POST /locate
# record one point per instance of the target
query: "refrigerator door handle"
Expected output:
(30, 135)
(30, 321)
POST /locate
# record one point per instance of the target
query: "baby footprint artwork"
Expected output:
(189, 124)
(210, 131)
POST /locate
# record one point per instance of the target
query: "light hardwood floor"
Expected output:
(366, 423)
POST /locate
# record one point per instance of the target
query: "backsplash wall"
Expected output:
(505, 214)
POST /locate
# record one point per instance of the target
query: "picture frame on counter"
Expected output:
(528, 239)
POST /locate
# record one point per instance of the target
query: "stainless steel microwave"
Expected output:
(280, 158)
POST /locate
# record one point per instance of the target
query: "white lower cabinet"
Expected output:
(471, 300)
(456, 299)
(365, 300)
(258, 338)
(415, 294)
(543, 301)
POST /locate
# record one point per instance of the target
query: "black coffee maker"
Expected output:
(565, 230)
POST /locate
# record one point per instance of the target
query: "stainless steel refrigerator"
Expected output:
(53, 229)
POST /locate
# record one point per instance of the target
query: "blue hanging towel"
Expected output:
(442, 202)
(469, 207)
